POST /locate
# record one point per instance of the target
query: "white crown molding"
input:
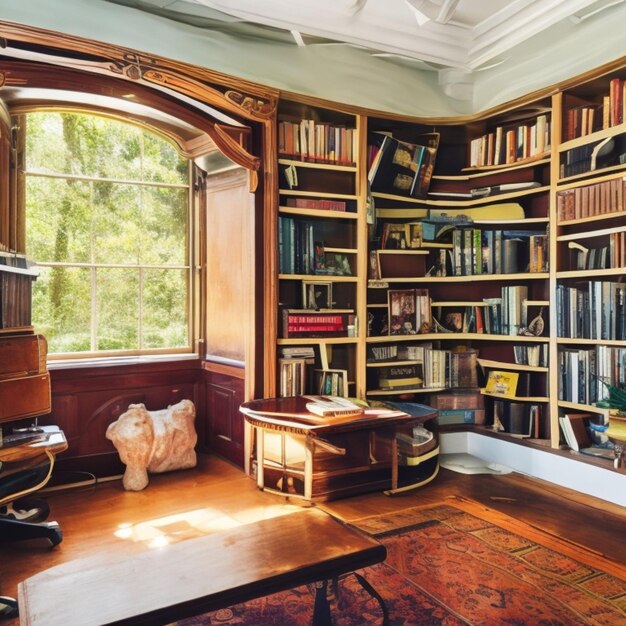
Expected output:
(373, 26)
(516, 23)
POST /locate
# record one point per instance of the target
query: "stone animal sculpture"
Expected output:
(154, 441)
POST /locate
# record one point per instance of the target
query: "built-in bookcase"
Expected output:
(321, 219)
(476, 249)
(590, 233)
(483, 259)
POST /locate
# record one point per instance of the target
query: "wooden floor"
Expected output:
(216, 495)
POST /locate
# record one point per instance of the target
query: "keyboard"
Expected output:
(19, 439)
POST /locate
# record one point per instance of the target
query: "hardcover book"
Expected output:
(332, 406)
(403, 168)
(502, 383)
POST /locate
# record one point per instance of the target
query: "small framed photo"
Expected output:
(317, 295)
(402, 307)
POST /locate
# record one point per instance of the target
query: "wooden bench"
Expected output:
(198, 575)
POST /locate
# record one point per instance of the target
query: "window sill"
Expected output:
(116, 361)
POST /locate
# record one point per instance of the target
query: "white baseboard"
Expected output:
(582, 477)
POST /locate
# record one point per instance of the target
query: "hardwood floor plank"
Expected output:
(216, 495)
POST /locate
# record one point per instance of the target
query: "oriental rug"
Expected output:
(454, 563)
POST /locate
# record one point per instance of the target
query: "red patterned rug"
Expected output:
(457, 563)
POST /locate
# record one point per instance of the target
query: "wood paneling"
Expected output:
(86, 400)
(230, 288)
(224, 389)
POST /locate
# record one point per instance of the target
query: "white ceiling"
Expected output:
(463, 34)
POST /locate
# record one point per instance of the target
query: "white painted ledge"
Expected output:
(565, 472)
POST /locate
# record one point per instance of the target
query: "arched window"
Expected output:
(107, 223)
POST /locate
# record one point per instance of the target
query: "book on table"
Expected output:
(332, 406)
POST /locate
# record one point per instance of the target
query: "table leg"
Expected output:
(321, 608)
(260, 457)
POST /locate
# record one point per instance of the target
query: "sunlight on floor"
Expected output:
(162, 531)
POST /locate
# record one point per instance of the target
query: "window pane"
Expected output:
(117, 224)
(117, 297)
(164, 314)
(114, 216)
(62, 308)
(164, 233)
(59, 220)
(89, 145)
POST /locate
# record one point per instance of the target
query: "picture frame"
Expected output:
(317, 295)
(402, 311)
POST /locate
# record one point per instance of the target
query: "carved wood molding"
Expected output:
(195, 88)
(236, 96)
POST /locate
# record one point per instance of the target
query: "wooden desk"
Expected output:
(323, 461)
(197, 575)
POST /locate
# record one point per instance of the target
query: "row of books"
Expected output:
(432, 369)
(593, 156)
(591, 200)
(292, 376)
(506, 145)
(403, 236)
(298, 251)
(459, 406)
(531, 354)
(400, 167)
(298, 323)
(319, 204)
(611, 254)
(409, 311)
(317, 142)
(591, 310)
(15, 299)
(521, 419)
(586, 372)
(484, 251)
(587, 118)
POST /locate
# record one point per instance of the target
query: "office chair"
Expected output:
(20, 517)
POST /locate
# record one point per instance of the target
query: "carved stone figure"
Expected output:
(154, 441)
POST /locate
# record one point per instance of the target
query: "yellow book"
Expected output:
(502, 383)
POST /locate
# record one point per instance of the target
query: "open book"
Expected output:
(332, 406)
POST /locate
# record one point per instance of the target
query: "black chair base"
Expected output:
(17, 530)
(8, 607)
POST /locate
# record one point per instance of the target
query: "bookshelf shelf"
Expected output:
(395, 392)
(451, 336)
(540, 159)
(319, 277)
(614, 271)
(486, 363)
(539, 399)
(592, 342)
(318, 166)
(471, 278)
(482, 172)
(586, 408)
(316, 194)
(321, 341)
(391, 363)
(326, 214)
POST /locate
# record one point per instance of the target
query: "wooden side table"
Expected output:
(295, 455)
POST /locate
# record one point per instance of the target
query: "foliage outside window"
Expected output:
(107, 206)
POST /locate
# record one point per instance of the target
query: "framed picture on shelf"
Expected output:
(402, 309)
(317, 295)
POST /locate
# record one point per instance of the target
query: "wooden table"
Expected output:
(198, 575)
(322, 461)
